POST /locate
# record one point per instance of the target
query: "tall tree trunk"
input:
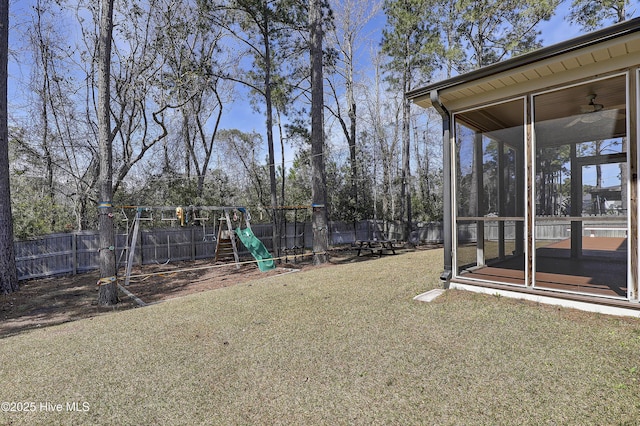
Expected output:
(282, 166)
(282, 211)
(318, 178)
(108, 289)
(273, 186)
(8, 273)
(405, 192)
(187, 147)
(353, 154)
(48, 159)
(46, 97)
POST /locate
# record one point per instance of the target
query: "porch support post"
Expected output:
(479, 184)
(576, 204)
(501, 200)
(447, 199)
(525, 178)
(632, 179)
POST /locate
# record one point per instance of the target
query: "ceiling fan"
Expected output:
(592, 106)
(593, 112)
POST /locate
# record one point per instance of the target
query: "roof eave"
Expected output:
(580, 42)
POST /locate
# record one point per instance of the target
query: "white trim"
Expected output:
(547, 300)
(534, 192)
(532, 202)
(628, 183)
(453, 171)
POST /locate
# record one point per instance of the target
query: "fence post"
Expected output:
(74, 253)
(193, 244)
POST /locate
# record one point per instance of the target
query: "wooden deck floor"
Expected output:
(601, 271)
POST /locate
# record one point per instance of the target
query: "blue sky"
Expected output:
(240, 114)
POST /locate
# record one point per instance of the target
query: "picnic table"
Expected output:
(376, 246)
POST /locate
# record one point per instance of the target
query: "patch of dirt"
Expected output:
(155, 283)
(51, 301)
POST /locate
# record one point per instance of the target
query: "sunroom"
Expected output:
(540, 160)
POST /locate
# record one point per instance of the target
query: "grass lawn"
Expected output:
(344, 344)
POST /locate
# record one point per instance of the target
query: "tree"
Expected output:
(266, 29)
(135, 71)
(8, 273)
(318, 179)
(352, 17)
(242, 151)
(299, 179)
(44, 57)
(194, 57)
(53, 136)
(496, 29)
(59, 140)
(451, 51)
(593, 14)
(590, 15)
(428, 150)
(381, 118)
(411, 45)
(108, 289)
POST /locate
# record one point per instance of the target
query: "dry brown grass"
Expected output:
(339, 345)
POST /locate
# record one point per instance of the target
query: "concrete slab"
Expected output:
(430, 295)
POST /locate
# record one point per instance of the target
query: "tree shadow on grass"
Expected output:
(52, 301)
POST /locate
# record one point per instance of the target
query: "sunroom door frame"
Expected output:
(632, 86)
(523, 178)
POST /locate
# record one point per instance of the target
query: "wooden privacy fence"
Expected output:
(547, 230)
(74, 253)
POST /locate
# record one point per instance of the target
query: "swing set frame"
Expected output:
(185, 215)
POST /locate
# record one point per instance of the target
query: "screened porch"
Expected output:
(541, 190)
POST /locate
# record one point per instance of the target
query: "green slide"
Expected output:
(256, 248)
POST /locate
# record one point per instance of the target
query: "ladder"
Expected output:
(227, 244)
(132, 247)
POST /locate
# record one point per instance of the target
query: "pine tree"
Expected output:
(8, 273)
(318, 178)
(411, 44)
(593, 14)
(108, 289)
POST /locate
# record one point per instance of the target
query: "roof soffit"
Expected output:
(605, 57)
